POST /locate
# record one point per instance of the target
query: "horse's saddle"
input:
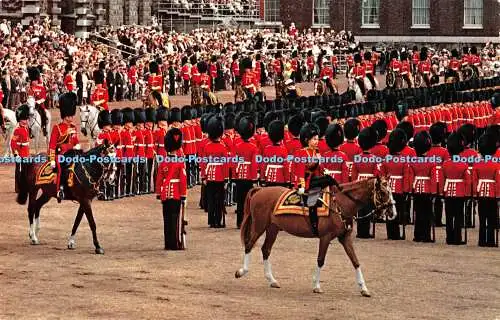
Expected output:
(46, 175)
(291, 202)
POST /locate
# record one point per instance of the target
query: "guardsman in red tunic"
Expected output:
(310, 65)
(295, 67)
(150, 147)
(69, 81)
(278, 67)
(395, 64)
(453, 67)
(205, 81)
(235, 69)
(155, 79)
(275, 173)
(406, 69)
(247, 80)
(140, 150)
(216, 171)
(104, 122)
(117, 122)
(423, 179)
(335, 160)
(486, 179)
(39, 93)
(188, 142)
(326, 75)
(455, 184)
(369, 69)
(132, 75)
(397, 173)
(161, 130)
(358, 72)
(228, 138)
(365, 168)
(320, 120)
(100, 95)
(127, 140)
(424, 67)
(63, 138)
(293, 144)
(195, 73)
(185, 74)
(335, 63)
(380, 127)
(438, 132)
(20, 141)
(415, 59)
(212, 71)
(465, 59)
(245, 171)
(350, 147)
(171, 189)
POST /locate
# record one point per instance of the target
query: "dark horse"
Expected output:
(97, 165)
(343, 207)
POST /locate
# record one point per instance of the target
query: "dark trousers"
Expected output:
(149, 174)
(488, 221)
(363, 224)
(141, 182)
(423, 217)
(19, 174)
(438, 212)
(111, 92)
(128, 179)
(215, 202)
(132, 91)
(172, 225)
(186, 86)
(119, 180)
(189, 176)
(242, 188)
(203, 198)
(392, 227)
(79, 96)
(454, 208)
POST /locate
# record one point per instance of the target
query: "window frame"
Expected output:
(327, 8)
(468, 9)
(420, 10)
(276, 14)
(364, 24)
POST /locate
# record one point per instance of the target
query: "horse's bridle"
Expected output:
(84, 122)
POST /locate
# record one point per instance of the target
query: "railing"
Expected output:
(243, 10)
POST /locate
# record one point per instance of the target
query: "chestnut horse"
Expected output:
(343, 207)
(96, 166)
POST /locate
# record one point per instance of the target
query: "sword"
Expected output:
(183, 223)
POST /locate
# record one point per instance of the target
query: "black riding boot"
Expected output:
(43, 118)
(313, 217)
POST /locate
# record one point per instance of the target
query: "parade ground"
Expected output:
(137, 279)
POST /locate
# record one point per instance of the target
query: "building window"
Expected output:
(370, 13)
(420, 13)
(321, 13)
(272, 10)
(473, 13)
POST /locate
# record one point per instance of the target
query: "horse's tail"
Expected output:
(246, 225)
(23, 184)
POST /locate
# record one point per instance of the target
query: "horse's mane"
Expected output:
(349, 186)
(95, 151)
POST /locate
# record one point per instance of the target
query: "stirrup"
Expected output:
(60, 195)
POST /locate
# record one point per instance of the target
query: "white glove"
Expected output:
(53, 164)
(301, 191)
(77, 147)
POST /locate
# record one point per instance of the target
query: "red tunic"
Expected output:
(455, 180)
(127, 143)
(116, 139)
(380, 150)
(205, 81)
(310, 63)
(140, 146)
(186, 72)
(69, 82)
(486, 179)
(100, 97)
(215, 164)
(20, 141)
(395, 65)
(149, 142)
(132, 74)
(351, 149)
(365, 168)
(422, 176)
(159, 141)
(64, 137)
(235, 68)
(171, 181)
(336, 165)
(155, 82)
(275, 171)
(248, 81)
(305, 168)
(398, 174)
(195, 75)
(326, 72)
(246, 169)
(103, 136)
(39, 93)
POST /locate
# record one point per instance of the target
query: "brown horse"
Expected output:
(95, 166)
(343, 207)
(239, 94)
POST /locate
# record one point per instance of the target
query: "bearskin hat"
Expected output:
(276, 131)
(116, 117)
(102, 65)
(454, 53)
(22, 112)
(184, 60)
(357, 58)
(367, 138)
(204, 120)
(128, 115)
(487, 145)
(132, 62)
(229, 119)
(161, 114)
(235, 56)
(422, 142)
(295, 123)
(248, 106)
(173, 140)
(397, 141)
(351, 128)
(246, 127)
(465, 50)
(380, 127)
(33, 74)
(415, 48)
(229, 107)
(438, 132)
(215, 127)
(68, 67)
(368, 56)
(246, 63)
(67, 104)
(139, 115)
(150, 114)
(404, 56)
(394, 54)
(98, 77)
(494, 130)
(153, 67)
(455, 143)
(407, 127)
(186, 113)
(334, 136)
(202, 67)
(322, 124)
(495, 100)
(104, 119)
(423, 54)
(468, 131)
(268, 118)
(307, 132)
(174, 115)
(192, 59)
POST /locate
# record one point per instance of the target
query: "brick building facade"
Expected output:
(432, 21)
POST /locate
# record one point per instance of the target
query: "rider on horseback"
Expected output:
(359, 72)
(370, 69)
(326, 75)
(292, 92)
(100, 96)
(39, 93)
(424, 66)
(247, 80)
(453, 67)
(64, 138)
(205, 80)
(406, 69)
(309, 173)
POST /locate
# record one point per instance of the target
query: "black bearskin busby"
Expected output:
(468, 131)
(454, 53)
(268, 118)
(174, 115)
(367, 138)
(139, 115)
(422, 143)
(307, 132)
(407, 127)
(455, 143)
(380, 127)
(423, 54)
(202, 67)
(104, 119)
(246, 63)
(276, 131)
(22, 112)
(151, 115)
(352, 128)
(334, 136)
(186, 114)
(397, 141)
(68, 67)
(357, 58)
(173, 140)
(116, 117)
(161, 114)
(295, 123)
(487, 145)
(246, 127)
(215, 127)
(368, 56)
(438, 132)
(33, 74)
(67, 104)
(98, 77)
(229, 119)
(322, 124)
(128, 115)
(153, 67)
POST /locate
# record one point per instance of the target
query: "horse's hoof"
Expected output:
(240, 273)
(99, 251)
(365, 293)
(275, 285)
(35, 242)
(71, 246)
(318, 290)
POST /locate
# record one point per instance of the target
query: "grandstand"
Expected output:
(185, 15)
